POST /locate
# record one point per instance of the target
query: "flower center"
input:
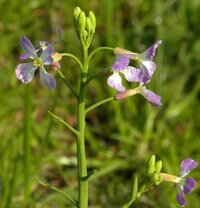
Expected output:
(37, 62)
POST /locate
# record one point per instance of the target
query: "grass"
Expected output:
(120, 135)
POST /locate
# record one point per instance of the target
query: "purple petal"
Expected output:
(46, 55)
(189, 185)
(153, 98)
(131, 74)
(150, 66)
(186, 166)
(115, 82)
(24, 56)
(150, 52)
(25, 72)
(180, 199)
(47, 79)
(144, 76)
(26, 44)
(121, 62)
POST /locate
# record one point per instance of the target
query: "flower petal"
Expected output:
(150, 52)
(153, 98)
(46, 55)
(26, 44)
(131, 74)
(121, 62)
(47, 79)
(187, 166)
(150, 66)
(180, 199)
(24, 56)
(144, 76)
(189, 185)
(25, 72)
(115, 82)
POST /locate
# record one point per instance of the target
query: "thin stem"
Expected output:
(26, 142)
(99, 49)
(98, 104)
(81, 155)
(63, 122)
(68, 197)
(74, 57)
(133, 194)
(68, 84)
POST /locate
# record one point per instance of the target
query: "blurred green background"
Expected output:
(120, 136)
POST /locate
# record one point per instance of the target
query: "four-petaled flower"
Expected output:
(25, 71)
(141, 75)
(185, 185)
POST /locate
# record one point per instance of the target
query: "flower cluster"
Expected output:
(25, 71)
(140, 75)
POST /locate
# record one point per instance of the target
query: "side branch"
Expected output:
(63, 122)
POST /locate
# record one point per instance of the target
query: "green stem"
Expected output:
(98, 104)
(133, 194)
(74, 57)
(81, 155)
(99, 49)
(68, 84)
(68, 197)
(26, 142)
(63, 122)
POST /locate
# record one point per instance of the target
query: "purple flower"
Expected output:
(120, 65)
(185, 185)
(141, 75)
(152, 97)
(25, 71)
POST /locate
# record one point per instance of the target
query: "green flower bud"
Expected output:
(81, 22)
(158, 166)
(159, 180)
(77, 11)
(85, 33)
(155, 178)
(88, 24)
(151, 165)
(93, 21)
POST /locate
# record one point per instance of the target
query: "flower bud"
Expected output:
(81, 22)
(77, 11)
(155, 178)
(151, 165)
(88, 24)
(158, 166)
(93, 21)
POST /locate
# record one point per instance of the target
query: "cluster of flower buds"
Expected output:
(153, 169)
(152, 177)
(85, 25)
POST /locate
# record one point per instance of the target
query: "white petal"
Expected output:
(131, 74)
(150, 66)
(115, 82)
(25, 72)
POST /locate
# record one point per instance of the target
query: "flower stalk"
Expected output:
(81, 154)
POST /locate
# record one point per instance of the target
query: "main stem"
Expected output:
(81, 155)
